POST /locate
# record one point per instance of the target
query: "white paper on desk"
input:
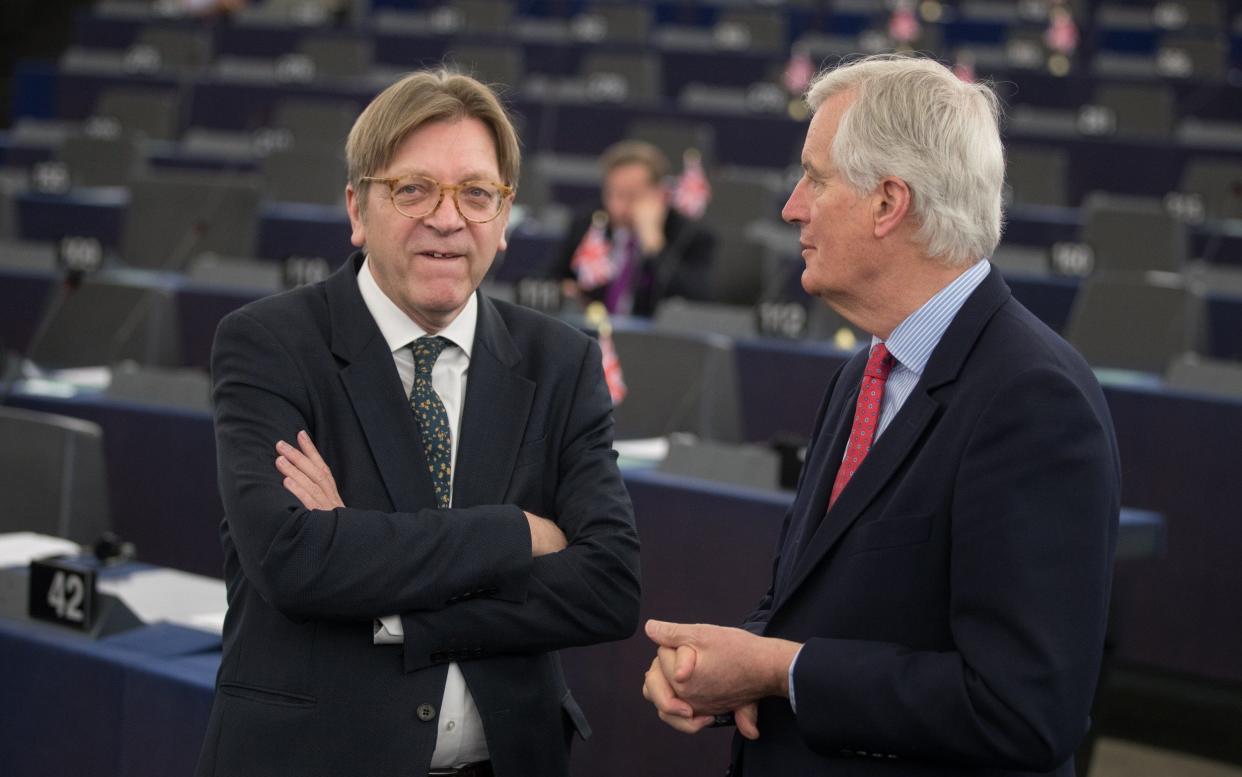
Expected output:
(171, 595)
(209, 621)
(653, 449)
(20, 548)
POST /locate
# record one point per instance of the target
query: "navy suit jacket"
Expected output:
(301, 689)
(953, 601)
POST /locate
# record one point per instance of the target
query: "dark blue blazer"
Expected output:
(301, 689)
(953, 601)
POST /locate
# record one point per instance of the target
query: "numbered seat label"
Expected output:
(62, 593)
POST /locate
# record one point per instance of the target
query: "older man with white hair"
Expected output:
(940, 588)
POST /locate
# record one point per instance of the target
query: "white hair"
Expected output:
(913, 119)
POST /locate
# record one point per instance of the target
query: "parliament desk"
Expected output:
(136, 703)
(1177, 452)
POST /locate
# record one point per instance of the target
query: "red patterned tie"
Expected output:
(866, 416)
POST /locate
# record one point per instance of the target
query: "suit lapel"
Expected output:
(498, 403)
(823, 465)
(374, 389)
(900, 439)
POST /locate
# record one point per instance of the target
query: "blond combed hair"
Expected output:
(911, 118)
(419, 99)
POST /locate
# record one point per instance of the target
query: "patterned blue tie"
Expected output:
(432, 417)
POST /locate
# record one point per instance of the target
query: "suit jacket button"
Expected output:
(425, 712)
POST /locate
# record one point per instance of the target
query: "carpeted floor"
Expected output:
(1120, 758)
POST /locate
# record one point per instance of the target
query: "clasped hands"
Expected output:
(701, 671)
(308, 477)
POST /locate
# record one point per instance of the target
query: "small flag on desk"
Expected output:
(1062, 33)
(597, 317)
(903, 25)
(693, 189)
(964, 67)
(798, 72)
(591, 261)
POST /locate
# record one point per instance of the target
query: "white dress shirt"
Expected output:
(459, 738)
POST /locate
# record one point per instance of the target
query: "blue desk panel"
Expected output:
(138, 702)
(116, 706)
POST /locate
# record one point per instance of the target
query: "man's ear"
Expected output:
(504, 224)
(358, 234)
(891, 203)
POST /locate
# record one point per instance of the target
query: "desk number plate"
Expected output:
(62, 593)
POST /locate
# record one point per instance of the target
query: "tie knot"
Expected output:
(426, 351)
(880, 363)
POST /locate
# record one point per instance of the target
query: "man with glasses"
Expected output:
(422, 501)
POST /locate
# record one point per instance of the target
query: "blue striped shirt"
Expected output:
(914, 339)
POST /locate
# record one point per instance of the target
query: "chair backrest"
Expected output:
(1132, 234)
(691, 317)
(1210, 376)
(53, 475)
(153, 113)
(107, 321)
(674, 137)
(262, 274)
(501, 65)
(298, 175)
(638, 73)
(1195, 55)
(1036, 175)
(753, 29)
(11, 183)
(740, 198)
(1218, 184)
(173, 217)
(747, 465)
(339, 56)
(180, 48)
(623, 22)
(93, 161)
(677, 383)
(315, 123)
(737, 276)
(186, 389)
(1141, 110)
(485, 16)
(1133, 324)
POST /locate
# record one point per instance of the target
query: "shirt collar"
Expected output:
(397, 328)
(914, 339)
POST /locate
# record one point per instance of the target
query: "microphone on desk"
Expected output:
(111, 549)
(76, 258)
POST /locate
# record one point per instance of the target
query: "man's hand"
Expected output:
(306, 475)
(712, 669)
(545, 536)
(676, 712)
(648, 215)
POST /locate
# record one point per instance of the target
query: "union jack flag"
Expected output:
(693, 190)
(1062, 33)
(903, 25)
(597, 318)
(592, 262)
(612, 368)
(798, 72)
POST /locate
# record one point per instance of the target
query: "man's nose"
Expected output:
(445, 217)
(794, 211)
